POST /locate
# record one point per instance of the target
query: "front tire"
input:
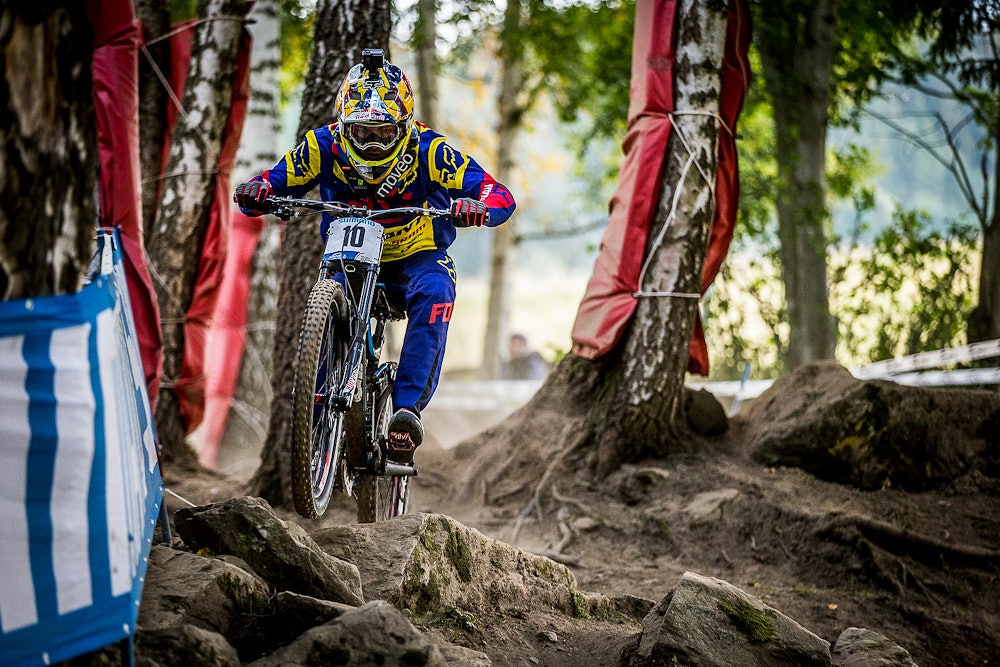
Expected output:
(318, 428)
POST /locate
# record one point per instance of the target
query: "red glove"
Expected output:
(470, 213)
(252, 197)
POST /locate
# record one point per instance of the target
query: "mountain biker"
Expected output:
(376, 155)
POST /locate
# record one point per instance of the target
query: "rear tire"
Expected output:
(317, 428)
(382, 497)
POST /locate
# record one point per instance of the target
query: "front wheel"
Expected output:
(317, 427)
(382, 497)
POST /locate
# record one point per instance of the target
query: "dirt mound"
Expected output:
(874, 434)
(918, 567)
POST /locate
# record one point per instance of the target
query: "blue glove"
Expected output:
(252, 197)
(470, 213)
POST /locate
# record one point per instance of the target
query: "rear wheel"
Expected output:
(382, 497)
(318, 428)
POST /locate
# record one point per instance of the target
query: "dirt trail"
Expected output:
(919, 568)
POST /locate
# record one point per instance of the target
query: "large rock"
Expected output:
(706, 622)
(182, 588)
(295, 613)
(426, 562)
(186, 645)
(375, 634)
(859, 647)
(279, 551)
(876, 433)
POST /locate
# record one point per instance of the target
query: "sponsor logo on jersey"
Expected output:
(405, 161)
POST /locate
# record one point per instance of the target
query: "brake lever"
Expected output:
(283, 212)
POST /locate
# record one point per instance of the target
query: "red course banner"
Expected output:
(610, 300)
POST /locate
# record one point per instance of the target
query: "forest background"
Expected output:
(903, 243)
(875, 255)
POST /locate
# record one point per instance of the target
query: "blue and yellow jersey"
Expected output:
(429, 173)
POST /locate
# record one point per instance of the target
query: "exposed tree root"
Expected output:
(534, 501)
(493, 480)
(566, 500)
(908, 543)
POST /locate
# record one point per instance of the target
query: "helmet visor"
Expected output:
(373, 141)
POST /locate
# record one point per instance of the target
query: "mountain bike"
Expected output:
(342, 392)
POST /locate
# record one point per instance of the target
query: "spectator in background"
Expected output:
(523, 363)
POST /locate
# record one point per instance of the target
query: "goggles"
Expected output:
(373, 136)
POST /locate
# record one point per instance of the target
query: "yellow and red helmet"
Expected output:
(374, 114)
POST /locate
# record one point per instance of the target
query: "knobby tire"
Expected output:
(317, 429)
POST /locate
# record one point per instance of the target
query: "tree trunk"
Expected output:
(640, 410)
(427, 83)
(183, 216)
(797, 71)
(984, 323)
(155, 17)
(342, 30)
(629, 404)
(510, 113)
(48, 165)
(259, 150)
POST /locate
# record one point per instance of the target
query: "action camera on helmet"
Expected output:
(373, 60)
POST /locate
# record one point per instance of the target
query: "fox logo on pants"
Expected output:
(442, 310)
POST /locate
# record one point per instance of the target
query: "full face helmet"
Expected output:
(374, 115)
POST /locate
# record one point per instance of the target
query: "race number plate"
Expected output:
(354, 239)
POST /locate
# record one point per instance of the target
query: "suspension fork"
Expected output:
(360, 292)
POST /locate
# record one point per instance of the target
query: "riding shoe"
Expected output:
(405, 434)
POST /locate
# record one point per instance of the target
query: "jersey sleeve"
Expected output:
(462, 176)
(298, 171)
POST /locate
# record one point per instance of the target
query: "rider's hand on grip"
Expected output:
(470, 213)
(252, 197)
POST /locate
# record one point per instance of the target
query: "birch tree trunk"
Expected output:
(797, 63)
(510, 113)
(630, 403)
(342, 30)
(48, 148)
(641, 403)
(182, 219)
(154, 61)
(259, 150)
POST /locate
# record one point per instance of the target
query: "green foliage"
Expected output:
(577, 52)
(182, 10)
(745, 319)
(585, 52)
(460, 619)
(911, 291)
(758, 171)
(296, 18)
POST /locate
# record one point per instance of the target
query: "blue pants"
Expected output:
(422, 285)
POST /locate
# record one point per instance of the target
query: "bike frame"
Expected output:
(353, 250)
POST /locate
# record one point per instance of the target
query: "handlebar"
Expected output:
(284, 208)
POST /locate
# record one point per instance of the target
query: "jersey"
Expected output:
(429, 173)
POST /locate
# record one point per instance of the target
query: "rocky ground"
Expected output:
(838, 503)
